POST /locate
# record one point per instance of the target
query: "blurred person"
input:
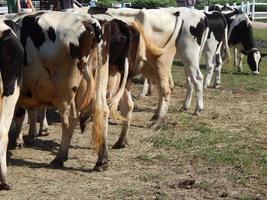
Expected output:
(22, 4)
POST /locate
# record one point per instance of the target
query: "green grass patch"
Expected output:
(260, 34)
(216, 147)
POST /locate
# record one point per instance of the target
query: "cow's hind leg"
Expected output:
(218, 70)
(126, 109)
(43, 130)
(189, 93)
(68, 120)
(6, 115)
(194, 74)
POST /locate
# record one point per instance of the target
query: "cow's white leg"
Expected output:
(6, 115)
(218, 70)
(189, 93)
(126, 109)
(19, 118)
(238, 60)
(32, 113)
(194, 78)
(210, 68)
(145, 88)
(68, 121)
(43, 130)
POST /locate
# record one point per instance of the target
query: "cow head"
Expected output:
(254, 58)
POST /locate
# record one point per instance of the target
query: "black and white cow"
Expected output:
(216, 47)
(240, 36)
(58, 52)
(11, 58)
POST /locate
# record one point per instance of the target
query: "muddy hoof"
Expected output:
(57, 164)
(119, 145)
(217, 86)
(100, 167)
(4, 186)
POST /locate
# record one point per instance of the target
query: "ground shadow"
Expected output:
(33, 165)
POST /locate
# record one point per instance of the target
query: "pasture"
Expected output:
(221, 154)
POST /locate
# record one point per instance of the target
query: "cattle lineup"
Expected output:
(82, 63)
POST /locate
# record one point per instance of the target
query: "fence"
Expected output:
(249, 8)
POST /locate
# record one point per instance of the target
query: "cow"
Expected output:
(216, 47)
(187, 46)
(129, 39)
(11, 59)
(60, 50)
(240, 37)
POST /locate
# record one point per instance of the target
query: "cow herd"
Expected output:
(82, 63)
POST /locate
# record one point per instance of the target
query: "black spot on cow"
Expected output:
(214, 8)
(97, 10)
(19, 112)
(28, 94)
(31, 29)
(242, 33)
(51, 34)
(74, 51)
(11, 57)
(198, 31)
(217, 24)
(74, 89)
(177, 14)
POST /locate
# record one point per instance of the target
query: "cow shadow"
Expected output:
(33, 165)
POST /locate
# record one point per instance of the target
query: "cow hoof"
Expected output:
(154, 117)
(157, 123)
(4, 186)
(120, 145)
(19, 145)
(183, 109)
(100, 167)
(28, 140)
(217, 85)
(43, 133)
(57, 164)
(198, 112)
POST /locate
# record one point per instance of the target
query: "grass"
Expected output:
(260, 34)
(217, 147)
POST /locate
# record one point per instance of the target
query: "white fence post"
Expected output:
(242, 6)
(248, 8)
(206, 9)
(234, 5)
(253, 10)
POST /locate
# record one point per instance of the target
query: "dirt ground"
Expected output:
(142, 171)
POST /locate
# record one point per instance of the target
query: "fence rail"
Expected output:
(249, 8)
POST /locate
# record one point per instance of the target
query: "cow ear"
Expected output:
(263, 54)
(244, 52)
(14, 26)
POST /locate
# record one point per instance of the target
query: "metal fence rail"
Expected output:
(249, 8)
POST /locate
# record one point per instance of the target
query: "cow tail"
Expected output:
(113, 102)
(100, 107)
(176, 31)
(204, 37)
(226, 45)
(1, 91)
